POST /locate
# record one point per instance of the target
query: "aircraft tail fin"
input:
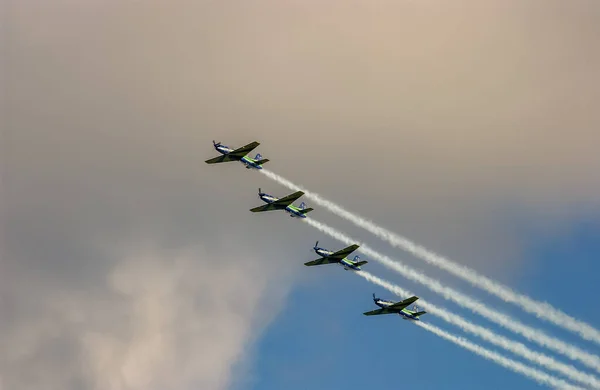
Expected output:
(356, 258)
(416, 312)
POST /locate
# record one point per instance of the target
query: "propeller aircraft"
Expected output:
(400, 308)
(239, 154)
(339, 257)
(285, 203)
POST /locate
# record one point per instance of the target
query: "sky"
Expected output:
(128, 263)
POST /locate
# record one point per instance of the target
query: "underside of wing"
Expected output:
(402, 304)
(267, 207)
(244, 150)
(322, 261)
(344, 252)
(220, 159)
(378, 312)
(288, 200)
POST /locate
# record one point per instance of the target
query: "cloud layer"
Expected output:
(441, 120)
(158, 319)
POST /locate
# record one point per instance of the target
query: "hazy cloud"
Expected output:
(157, 320)
(442, 120)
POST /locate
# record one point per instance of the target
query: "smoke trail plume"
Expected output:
(463, 300)
(486, 334)
(540, 309)
(538, 376)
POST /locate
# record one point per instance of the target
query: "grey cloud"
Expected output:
(440, 120)
(157, 319)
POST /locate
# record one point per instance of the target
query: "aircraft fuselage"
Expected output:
(347, 264)
(223, 149)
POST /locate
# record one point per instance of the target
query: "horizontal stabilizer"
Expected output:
(361, 263)
(304, 211)
(419, 313)
(261, 162)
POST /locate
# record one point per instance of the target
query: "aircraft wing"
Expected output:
(378, 312)
(325, 260)
(402, 304)
(287, 200)
(344, 252)
(267, 207)
(220, 159)
(244, 150)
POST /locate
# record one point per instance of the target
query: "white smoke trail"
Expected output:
(541, 310)
(486, 334)
(538, 376)
(463, 300)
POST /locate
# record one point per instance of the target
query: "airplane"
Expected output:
(240, 154)
(400, 308)
(338, 257)
(284, 203)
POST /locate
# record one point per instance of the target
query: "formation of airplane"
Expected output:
(339, 257)
(327, 257)
(285, 203)
(400, 308)
(239, 154)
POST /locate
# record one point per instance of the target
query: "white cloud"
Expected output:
(157, 321)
